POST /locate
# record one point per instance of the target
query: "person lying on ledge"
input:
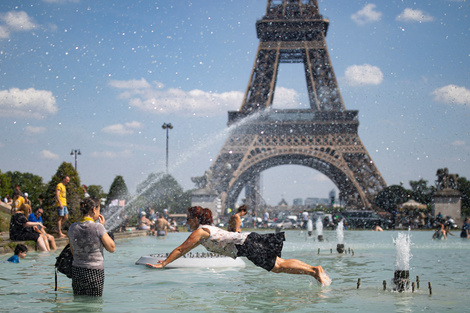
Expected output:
(264, 250)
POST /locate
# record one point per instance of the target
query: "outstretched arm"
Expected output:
(192, 242)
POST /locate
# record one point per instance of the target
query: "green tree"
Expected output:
(463, 185)
(390, 197)
(162, 191)
(96, 192)
(117, 191)
(421, 192)
(29, 183)
(5, 185)
(74, 196)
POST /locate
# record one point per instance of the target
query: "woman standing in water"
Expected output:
(87, 239)
(235, 221)
(264, 250)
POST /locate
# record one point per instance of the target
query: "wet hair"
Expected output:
(25, 208)
(204, 215)
(20, 248)
(87, 205)
(242, 208)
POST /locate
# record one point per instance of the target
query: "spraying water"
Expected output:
(310, 226)
(340, 232)
(401, 277)
(403, 255)
(114, 215)
(319, 227)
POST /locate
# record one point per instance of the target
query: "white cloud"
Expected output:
(31, 130)
(368, 14)
(458, 143)
(411, 15)
(112, 155)
(452, 94)
(46, 154)
(153, 98)
(27, 103)
(122, 129)
(15, 21)
(4, 33)
(285, 98)
(130, 84)
(358, 75)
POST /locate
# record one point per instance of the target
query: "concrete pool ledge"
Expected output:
(8, 246)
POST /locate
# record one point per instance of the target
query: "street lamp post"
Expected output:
(76, 152)
(167, 127)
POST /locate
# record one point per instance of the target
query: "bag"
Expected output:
(63, 263)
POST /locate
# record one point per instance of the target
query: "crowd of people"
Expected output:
(88, 237)
(157, 224)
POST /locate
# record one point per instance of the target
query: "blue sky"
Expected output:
(103, 76)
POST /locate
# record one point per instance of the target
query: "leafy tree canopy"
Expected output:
(5, 185)
(117, 191)
(96, 191)
(421, 192)
(390, 197)
(162, 191)
(463, 185)
(29, 183)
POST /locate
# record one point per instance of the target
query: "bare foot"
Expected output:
(62, 236)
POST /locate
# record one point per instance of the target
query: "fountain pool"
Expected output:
(128, 287)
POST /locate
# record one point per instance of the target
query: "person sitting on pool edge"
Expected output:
(264, 250)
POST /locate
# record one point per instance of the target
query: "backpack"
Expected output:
(63, 263)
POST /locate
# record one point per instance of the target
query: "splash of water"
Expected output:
(319, 226)
(310, 225)
(403, 254)
(114, 215)
(340, 232)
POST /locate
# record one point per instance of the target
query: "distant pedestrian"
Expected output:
(61, 204)
(465, 229)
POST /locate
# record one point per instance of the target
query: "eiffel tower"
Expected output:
(323, 137)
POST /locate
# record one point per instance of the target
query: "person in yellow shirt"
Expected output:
(61, 204)
(18, 200)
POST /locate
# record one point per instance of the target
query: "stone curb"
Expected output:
(60, 242)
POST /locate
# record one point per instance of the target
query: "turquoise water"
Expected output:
(29, 286)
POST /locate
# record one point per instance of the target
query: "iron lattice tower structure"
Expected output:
(323, 137)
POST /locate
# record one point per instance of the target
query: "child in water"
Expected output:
(20, 253)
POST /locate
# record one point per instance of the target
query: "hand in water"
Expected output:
(322, 277)
(154, 265)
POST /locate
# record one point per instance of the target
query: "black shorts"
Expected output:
(262, 249)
